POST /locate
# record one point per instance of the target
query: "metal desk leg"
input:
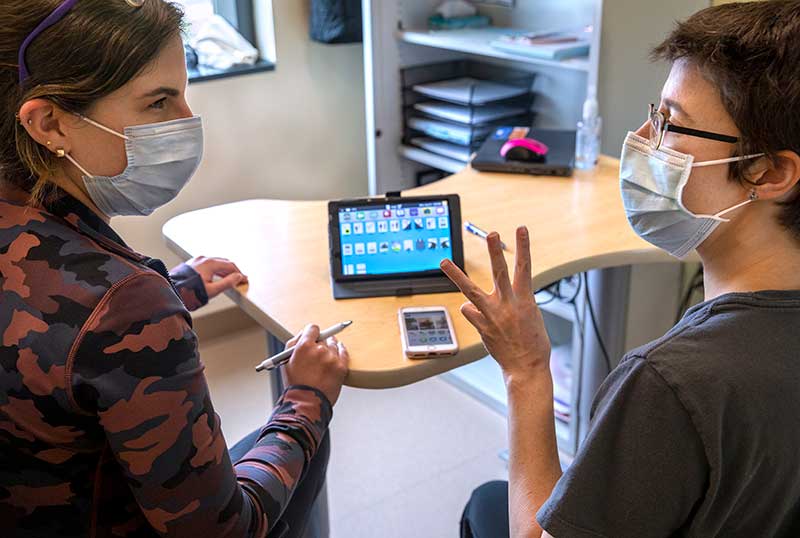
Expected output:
(319, 519)
(275, 346)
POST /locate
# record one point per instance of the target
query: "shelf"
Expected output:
(431, 159)
(555, 306)
(478, 42)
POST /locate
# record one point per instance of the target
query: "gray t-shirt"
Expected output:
(696, 434)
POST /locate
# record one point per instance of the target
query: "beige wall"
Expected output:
(297, 132)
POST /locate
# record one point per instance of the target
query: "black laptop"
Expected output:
(559, 161)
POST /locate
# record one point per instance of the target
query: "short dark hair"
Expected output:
(97, 48)
(751, 52)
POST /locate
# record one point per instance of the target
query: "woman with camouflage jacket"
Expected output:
(106, 423)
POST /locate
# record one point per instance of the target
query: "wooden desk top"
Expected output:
(575, 225)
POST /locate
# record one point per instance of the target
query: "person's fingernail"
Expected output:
(444, 263)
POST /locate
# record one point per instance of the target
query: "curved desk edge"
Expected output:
(418, 370)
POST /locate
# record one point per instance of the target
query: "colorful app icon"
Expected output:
(360, 215)
(408, 245)
(374, 215)
(419, 224)
(372, 248)
(396, 246)
(370, 227)
(360, 249)
(444, 222)
(387, 214)
(444, 242)
(347, 249)
(440, 210)
(347, 217)
(349, 269)
(406, 224)
(358, 228)
(383, 227)
(413, 211)
(361, 269)
(430, 224)
(427, 211)
(432, 243)
(347, 229)
(400, 212)
(420, 244)
(394, 225)
(383, 247)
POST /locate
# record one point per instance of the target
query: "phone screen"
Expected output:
(427, 328)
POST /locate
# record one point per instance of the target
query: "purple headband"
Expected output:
(59, 13)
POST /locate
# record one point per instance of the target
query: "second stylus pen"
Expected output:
(474, 230)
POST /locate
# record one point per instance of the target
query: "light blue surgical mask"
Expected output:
(162, 158)
(652, 183)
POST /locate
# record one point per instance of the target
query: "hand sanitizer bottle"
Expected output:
(587, 140)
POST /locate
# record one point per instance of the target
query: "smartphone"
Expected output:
(427, 332)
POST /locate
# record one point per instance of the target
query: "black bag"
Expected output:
(336, 21)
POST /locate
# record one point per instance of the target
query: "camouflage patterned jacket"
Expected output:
(106, 423)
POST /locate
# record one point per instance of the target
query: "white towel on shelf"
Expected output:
(456, 8)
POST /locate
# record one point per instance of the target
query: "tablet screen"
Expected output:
(402, 237)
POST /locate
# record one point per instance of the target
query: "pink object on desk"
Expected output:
(524, 149)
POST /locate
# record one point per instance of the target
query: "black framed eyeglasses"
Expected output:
(659, 125)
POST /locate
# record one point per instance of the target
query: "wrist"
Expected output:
(531, 379)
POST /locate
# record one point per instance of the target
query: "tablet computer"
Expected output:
(393, 245)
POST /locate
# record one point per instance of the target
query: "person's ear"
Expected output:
(776, 178)
(46, 124)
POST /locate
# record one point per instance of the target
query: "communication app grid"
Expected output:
(427, 329)
(396, 238)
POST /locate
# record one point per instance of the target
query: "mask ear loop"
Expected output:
(61, 154)
(103, 127)
(753, 197)
(726, 161)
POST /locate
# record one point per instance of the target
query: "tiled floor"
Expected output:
(404, 461)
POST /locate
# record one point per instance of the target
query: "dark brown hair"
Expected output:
(97, 48)
(751, 52)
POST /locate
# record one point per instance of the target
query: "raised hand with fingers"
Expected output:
(508, 319)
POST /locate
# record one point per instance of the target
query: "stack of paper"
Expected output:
(469, 115)
(548, 46)
(446, 149)
(470, 91)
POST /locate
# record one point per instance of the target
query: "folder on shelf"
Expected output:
(446, 149)
(547, 46)
(449, 132)
(470, 91)
(469, 115)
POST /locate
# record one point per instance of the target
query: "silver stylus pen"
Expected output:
(283, 357)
